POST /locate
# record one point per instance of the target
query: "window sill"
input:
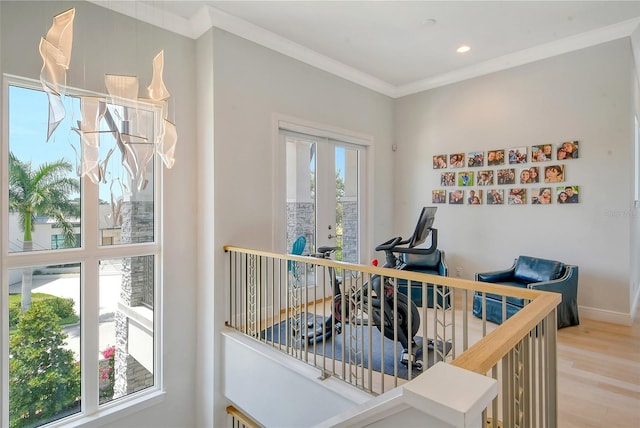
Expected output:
(113, 412)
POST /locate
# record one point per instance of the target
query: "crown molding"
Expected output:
(268, 39)
(151, 15)
(536, 53)
(208, 17)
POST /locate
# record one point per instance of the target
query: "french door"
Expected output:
(323, 193)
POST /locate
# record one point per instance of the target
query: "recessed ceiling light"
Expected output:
(463, 49)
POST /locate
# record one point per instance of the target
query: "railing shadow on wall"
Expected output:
(289, 303)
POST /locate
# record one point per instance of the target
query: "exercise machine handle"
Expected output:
(421, 251)
(388, 245)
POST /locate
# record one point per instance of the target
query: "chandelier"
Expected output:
(135, 137)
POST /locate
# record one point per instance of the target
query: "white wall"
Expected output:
(635, 44)
(208, 342)
(251, 84)
(634, 294)
(585, 96)
(252, 369)
(106, 42)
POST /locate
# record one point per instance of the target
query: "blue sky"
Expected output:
(28, 119)
(340, 161)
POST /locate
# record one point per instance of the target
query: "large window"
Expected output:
(80, 257)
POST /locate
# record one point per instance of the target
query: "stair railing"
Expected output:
(270, 293)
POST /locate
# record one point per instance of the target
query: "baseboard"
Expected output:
(634, 304)
(605, 316)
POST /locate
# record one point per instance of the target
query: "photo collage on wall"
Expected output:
(534, 175)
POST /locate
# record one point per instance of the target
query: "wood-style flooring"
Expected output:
(599, 375)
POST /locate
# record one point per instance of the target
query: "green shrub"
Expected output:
(14, 314)
(44, 379)
(63, 308)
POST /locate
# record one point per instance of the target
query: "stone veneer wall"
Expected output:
(350, 231)
(137, 274)
(300, 221)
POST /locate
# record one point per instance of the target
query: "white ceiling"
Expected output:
(401, 47)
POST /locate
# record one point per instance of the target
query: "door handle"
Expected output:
(332, 236)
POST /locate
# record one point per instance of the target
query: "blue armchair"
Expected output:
(433, 264)
(536, 274)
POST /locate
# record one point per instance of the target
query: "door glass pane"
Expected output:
(301, 192)
(347, 205)
(44, 344)
(126, 326)
(126, 204)
(44, 190)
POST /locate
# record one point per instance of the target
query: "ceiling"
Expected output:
(401, 47)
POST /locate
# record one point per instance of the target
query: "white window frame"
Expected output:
(89, 254)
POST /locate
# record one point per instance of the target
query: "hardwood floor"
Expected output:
(599, 375)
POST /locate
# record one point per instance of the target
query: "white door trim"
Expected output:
(290, 123)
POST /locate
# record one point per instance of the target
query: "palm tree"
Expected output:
(43, 191)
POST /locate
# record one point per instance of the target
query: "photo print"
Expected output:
(456, 160)
(507, 176)
(456, 197)
(554, 174)
(475, 197)
(567, 150)
(439, 161)
(568, 194)
(495, 157)
(485, 178)
(495, 197)
(517, 155)
(439, 196)
(475, 159)
(525, 176)
(465, 179)
(541, 153)
(534, 174)
(447, 178)
(541, 196)
(517, 196)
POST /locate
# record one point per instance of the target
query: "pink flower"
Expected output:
(109, 352)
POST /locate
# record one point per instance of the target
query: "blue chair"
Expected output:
(297, 249)
(536, 274)
(433, 264)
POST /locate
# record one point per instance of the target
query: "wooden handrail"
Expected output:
(242, 418)
(483, 355)
(459, 283)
